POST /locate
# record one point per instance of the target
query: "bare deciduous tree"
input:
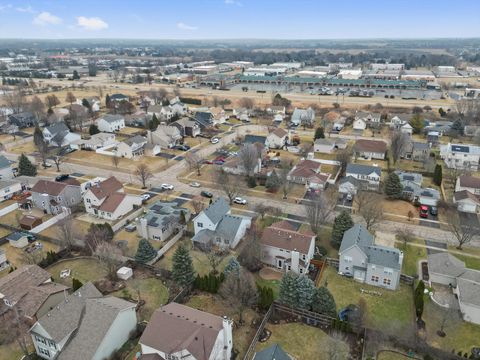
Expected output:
(52, 101)
(115, 160)
(66, 232)
(369, 206)
(463, 231)
(15, 329)
(43, 151)
(398, 144)
(319, 210)
(344, 157)
(249, 157)
(15, 100)
(406, 236)
(143, 173)
(70, 98)
(334, 347)
(194, 162)
(305, 149)
(109, 257)
(286, 185)
(37, 107)
(228, 184)
(197, 204)
(247, 103)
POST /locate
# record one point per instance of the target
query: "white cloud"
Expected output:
(92, 23)
(26, 9)
(45, 18)
(183, 26)
(5, 7)
(233, 2)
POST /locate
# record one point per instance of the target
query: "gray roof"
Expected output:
(100, 313)
(409, 176)
(163, 212)
(228, 226)
(15, 236)
(4, 162)
(204, 236)
(137, 139)
(363, 169)
(58, 127)
(416, 145)
(350, 179)
(357, 235)
(274, 352)
(469, 292)
(298, 114)
(217, 209)
(110, 118)
(64, 318)
(445, 264)
(324, 142)
(253, 139)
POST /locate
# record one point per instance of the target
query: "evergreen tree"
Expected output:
(319, 134)
(182, 267)
(145, 252)
(182, 220)
(419, 300)
(273, 182)
(86, 104)
(154, 123)
(438, 175)
(342, 223)
(107, 101)
(233, 266)
(417, 123)
(296, 290)
(25, 166)
(393, 188)
(306, 291)
(324, 303)
(75, 75)
(76, 284)
(93, 129)
(37, 136)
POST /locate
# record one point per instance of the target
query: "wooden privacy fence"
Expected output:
(251, 349)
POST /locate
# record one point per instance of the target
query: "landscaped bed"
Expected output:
(391, 312)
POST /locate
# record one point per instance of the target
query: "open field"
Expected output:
(391, 312)
(300, 340)
(83, 269)
(411, 256)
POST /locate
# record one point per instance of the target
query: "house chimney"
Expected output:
(295, 261)
(400, 258)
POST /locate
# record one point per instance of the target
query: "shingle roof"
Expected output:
(111, 118)
(106, 187)
(36, 297)
(469, 181)
(383, 256)
(465, 194)
(228, 226)
(52, 188)
(217, 209)
(252, 139)
(137, 139)
(445, 264)
(274, 352)
(282, 238)
(363, 169)
(57, 128)
(18, 283)
(176, 327)
(4, 162)
(357, 235)
(112, 202)
(279, 132)
(376, 146)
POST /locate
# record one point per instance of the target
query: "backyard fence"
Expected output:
(119, 224)
(8, 209)
(251, 349)
(167, 247)
(52, 221)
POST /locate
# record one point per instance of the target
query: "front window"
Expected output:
(374, 278)
(387, 281)
(200, 225)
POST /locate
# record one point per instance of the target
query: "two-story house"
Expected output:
(216, 226)
(461, 156)
(361, 259)
(302, 116)
(415, 150)
(85, 325)
(107, 200)
(111, 123)
(286, 249)
(93, 103)
(8, 188)
(469, 183)
(308, 173)
(59, 135)
(370, 174)
(277, 138)
(187, 127)
(6, 170)
(162, 219)
(132, 147)
(22, 120)
(370, 149)
(176, 331)
(52, 196)
(165, 136)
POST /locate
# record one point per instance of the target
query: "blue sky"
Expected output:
(229, 19)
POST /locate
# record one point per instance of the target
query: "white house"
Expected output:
(6, 170)
(302, 116)
(407, 129)
(93, 101)
(324, 146)
(85, 325)
(277, 138)
(351, 185)
(215, 226)
(95, 141)
(132, 147)
(235, 166)
(108, 200)
(467, 201)
(177, 331)
(286, 249)
(18, 239)
(8, 188)
(370, 149)
(460, 156)
(359, 125)
(370, 174)
(111, 123)
(58, 134)
(469, 183)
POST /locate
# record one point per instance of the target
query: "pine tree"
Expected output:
(93, 129)
(145, 252)
(182, 220)
(37, 136)
(273, 182)
(319, 134)
(342, 223)
(154, 123)
(419, 300)
(233, 266)
(182, 267)
(306, 291)
(288, 289)
(437, 175)
(25, 166)
(324, 303)
(417, 123)
(76, 284)
(393, 188)
(107, 101)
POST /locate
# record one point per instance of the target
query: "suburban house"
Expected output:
(446, 269)
(406, 129)
(107, 200)
(53, 196)
(137, 119)
(433, 138)
(111, 123)
(287, 249)
(22, 120)
(360, 258)
(163, 113)
(178, 107)
(302, 116)
(308, 173)
(162, 219)
(219, 115)
(187, 127)
(242, 114)
(324, 146)
(215, 226)
(277, 138)
(8, 188)
(350, 185)
(18, 239)
(119, 97)
(95, 141)
(359, 125)
(165, 135)
(370, 119)
(415, 150)
(370, 149)
(204, 119)
(132, 147)
(398, 120)
(274, 352)
(176, 331)
(466, 201)
(234, 165)
(457, 156)
(93, 102)
(6, 170)
(276, 110)
(370, 174)
(31, 290)
(469, 183)
(413, 190)
(59, 135)
(84, 325)
(256, 139)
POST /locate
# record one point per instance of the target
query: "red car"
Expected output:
(424, 211)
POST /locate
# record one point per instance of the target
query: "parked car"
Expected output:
(62, 177)
(182, 147)
(206, 194)
(209, 162)
(195, 184)
(424, 211)
(214, 140)
(167, 186)
(47, 165)
(239, 200)
(146, 196)
(434, 211)
(218, 162)
(131, 227)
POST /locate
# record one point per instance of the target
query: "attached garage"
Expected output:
(466, 201)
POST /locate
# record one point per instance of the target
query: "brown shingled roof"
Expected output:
(53, 188)
(112, 202)
(376, 146)
(106, 187)
(36, 297)
(469, 181)
(280, 132)
(286, 239)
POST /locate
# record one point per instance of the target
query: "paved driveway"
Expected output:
(440, 245)
(469, 219)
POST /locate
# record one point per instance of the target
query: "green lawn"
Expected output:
(299, 340)
(274, 284)
(82, 269)
(392, 311)
(389, 355)
(411, 256)
(461, 335)
(470, 262)
(10, 352)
